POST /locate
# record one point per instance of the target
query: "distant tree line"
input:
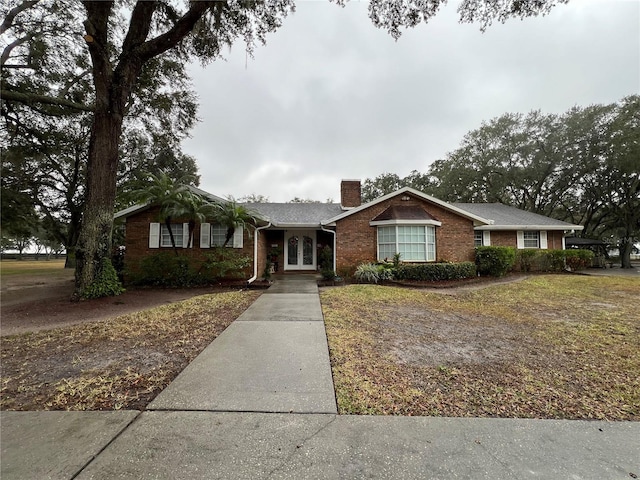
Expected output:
(582, 166)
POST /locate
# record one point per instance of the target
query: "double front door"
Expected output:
(300, 250)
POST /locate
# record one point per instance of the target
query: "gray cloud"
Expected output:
(332, 97)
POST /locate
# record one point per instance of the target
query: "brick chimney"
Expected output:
(350, 193)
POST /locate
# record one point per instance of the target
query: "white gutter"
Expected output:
(333, 232)
(255, 254)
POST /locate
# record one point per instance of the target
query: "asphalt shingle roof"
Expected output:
(504, 215)
(295, 213)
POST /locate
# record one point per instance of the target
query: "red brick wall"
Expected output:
(350, 193)
(504, 239)
(508, 238)
(137, 241)
(357, 241)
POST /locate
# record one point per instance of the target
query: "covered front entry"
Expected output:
(300, 250)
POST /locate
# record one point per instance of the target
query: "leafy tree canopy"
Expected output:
(582, 166)
(135, 48)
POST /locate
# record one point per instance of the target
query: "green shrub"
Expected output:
(328, 274)
(578, 259)
(221, 263)
(495, 261)
(325, 258)
(347, 271)
(163, 269)
(555, 260)
(526, 259)
(433, 272)
(373, 273)
(367, 273)
(106, 283)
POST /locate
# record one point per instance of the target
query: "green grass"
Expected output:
(31, 267)
(552, 346)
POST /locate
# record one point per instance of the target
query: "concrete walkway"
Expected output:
(212, 422)
(273, 358)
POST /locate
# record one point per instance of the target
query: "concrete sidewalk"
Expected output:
(259, 403)
(273, 358)
(217, 445)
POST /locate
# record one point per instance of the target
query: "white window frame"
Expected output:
(180, 235)
(428, 233)
(485, 238)
(208, 237)
(531, 239)
(478, 238)
(541, 239)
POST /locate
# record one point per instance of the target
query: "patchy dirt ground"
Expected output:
(429, 338)
(119, 362)
(550, 346)
(35, 302)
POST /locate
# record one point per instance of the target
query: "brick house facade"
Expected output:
(422, 228)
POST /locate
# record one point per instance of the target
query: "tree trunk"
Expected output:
(167, 222)
(70, 258)
(94, 242)
(625, 246)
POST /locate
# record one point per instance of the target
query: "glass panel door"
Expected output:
(300, 251)
(307, 251)
(292, 250)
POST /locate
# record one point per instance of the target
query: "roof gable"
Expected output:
(139, 207)
(447, 206)
(404, 212)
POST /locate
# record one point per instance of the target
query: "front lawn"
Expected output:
(552, 346)
(32, 267)
(119, 363)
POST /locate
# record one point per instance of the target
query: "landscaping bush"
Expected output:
(168, 270)
(106, 284)
(526, 259)
(433, 272)
(373, 273)
(325, 258)
(347, 271)
(221, 263)
(495, 261)
(578, 259)
(553, 260)
(163, 270)
(328, 274)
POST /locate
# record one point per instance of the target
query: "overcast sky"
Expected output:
(332, 97)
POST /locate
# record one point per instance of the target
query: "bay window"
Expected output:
(414, 243)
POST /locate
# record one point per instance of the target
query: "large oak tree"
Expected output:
(153, 30)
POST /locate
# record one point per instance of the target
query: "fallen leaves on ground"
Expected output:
(122, 363)
(552, 346)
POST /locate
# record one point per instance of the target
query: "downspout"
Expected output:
(333, 232)
(255, 254)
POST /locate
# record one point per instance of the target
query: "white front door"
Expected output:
(300, 250)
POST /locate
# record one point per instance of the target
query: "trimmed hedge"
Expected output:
(168, 270)
(553, 260)
(495, 261)
(578, 259)
(433, 272)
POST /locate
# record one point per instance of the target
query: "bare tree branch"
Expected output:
(7, 23)
(32, 98)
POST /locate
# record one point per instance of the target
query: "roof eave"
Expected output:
(567, 227)
(131, 210)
